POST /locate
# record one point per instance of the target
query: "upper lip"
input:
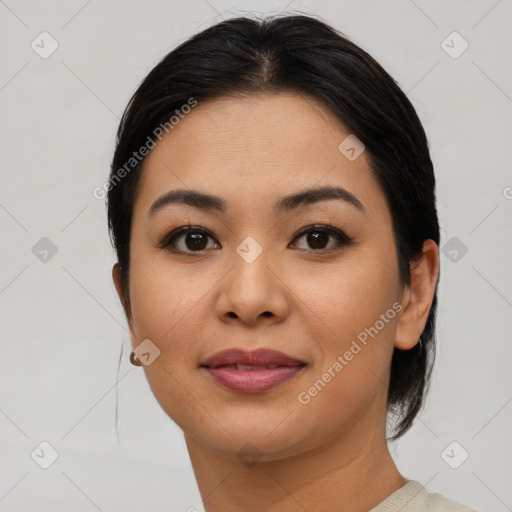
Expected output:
(258, 357)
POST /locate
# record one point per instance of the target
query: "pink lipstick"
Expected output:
(252, 371)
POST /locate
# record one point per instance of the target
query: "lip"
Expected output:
(222, 367)
(258, 357)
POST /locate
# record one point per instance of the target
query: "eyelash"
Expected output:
(343, 239)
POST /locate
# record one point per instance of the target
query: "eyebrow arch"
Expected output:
(314, 195)
(210, 202)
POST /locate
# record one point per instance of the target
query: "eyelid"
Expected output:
(183, 230)
(342, 238)
(328, 228)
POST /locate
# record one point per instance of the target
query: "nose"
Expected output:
(253, 292)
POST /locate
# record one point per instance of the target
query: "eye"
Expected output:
(318, 237)
(187, 239)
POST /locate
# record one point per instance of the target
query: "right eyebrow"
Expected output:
(194, 198)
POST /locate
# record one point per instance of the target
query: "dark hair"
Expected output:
(301, 54)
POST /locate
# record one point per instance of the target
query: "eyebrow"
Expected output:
(209, 202)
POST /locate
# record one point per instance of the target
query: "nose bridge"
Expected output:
(251, 288)
(249, 279)
(250, 250)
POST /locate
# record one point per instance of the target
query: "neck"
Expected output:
(352, 473)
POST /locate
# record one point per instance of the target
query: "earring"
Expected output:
(134, 360)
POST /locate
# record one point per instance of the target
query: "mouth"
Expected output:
(254, 367)
(252, 371)
(244, 359)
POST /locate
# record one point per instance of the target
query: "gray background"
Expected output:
(62, 327)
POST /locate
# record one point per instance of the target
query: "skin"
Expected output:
(330, 454)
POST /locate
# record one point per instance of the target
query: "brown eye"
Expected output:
(317, 237)
(187, 239)
(196, 241)
(192, 239)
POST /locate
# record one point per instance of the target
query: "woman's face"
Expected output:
(315, 296)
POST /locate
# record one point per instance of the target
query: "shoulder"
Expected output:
(413, 497)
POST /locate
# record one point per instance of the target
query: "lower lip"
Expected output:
(252, 381)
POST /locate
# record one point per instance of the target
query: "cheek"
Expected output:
(165, 309)
(351, 314)
(165, 304)
(162, 299)
(343, 300)
(355, 347)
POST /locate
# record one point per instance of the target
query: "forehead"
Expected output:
(255, 149)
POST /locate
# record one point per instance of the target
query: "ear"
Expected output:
(116, 277)
(417, 298)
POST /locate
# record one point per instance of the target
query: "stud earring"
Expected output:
(134, 360)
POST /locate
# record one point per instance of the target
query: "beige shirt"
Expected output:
(413, 497)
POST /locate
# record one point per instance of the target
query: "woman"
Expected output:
(272, 206)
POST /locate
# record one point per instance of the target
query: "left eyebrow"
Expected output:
(314, 195)
(210, 202)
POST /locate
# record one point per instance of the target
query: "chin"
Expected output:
(249, 435)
